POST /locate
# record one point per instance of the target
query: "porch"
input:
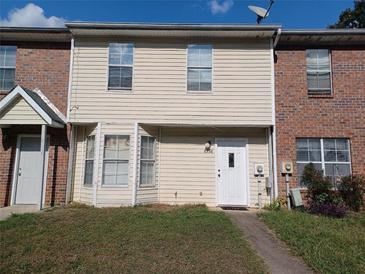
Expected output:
(34, 145)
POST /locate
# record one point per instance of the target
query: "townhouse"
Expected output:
(320, 102)
(172, 114)
(113, 114)
(34, 66)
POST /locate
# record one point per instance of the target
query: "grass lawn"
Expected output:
(328, 245)
(154, 239)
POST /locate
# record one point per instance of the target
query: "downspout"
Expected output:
(273, 131)
(70, 165)
(70, 80)
(135, 158)
(71, 139)
(96, 164)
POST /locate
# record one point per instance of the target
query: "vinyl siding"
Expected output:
(241, 82)
(20, 112)
(187, 173)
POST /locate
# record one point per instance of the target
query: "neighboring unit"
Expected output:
(320, 102)
(172, 114)
(34, 66)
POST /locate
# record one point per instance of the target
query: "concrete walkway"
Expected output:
(5, 212)
(274, 252)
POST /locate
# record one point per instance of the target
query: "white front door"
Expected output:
(29, 171)
(232, 181)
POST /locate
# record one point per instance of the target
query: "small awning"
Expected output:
(23, 106)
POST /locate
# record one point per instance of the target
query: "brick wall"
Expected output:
(340, 115)
(44, 66)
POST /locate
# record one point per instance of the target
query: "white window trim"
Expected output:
(312, 92)
(199, 92)
(121, 89)
(2, 90)
(89, 159)
(103, 159)
(147, 160)
(323, 162)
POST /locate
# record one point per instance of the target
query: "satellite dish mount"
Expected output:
(261, 12)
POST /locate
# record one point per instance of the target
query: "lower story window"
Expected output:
(147, 163)
(89, 160)
(331, 156)
(116, 160)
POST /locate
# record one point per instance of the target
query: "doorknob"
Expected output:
(219, 173)
(20, 172)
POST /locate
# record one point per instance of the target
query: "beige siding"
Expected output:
(187, 173)
(241, 82)
(20, 112)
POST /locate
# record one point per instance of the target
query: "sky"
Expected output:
(291, 14)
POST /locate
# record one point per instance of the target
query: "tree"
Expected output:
(352, 18)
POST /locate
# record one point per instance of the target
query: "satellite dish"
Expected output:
(261, 12)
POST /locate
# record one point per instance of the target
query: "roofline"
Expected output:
(306, 32)
(33, 29)
(169, 26)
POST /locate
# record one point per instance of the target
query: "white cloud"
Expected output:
(31, 16)
(220, 6)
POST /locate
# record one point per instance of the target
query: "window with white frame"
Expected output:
(7, 67)
(147, 161)
(199, 68)
(89, 160)
(318, 71)
(116, 160)
(332, 156)
(120, 66)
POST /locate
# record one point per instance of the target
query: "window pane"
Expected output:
(110, 147)
(7, 77)
(324, 81)
(314, 144)
(7, 56)
(329, 144)
(122, 173)
(110, 167)
(342, 144)
(89, 168)
(330, 156)
(193, 79)
(147, 147)
(120, 77)
(205, 79)
(302, 156)
(312, 81)
(315, 156)
(123, 147)
(339, 170)
(199, 55)
(302, 144)
(90, 147)
(343, 156)
(147, 173)
(120, 54)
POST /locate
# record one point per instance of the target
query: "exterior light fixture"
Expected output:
(208, 146)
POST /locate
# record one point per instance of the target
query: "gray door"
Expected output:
(29, 173)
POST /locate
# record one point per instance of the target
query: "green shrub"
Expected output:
(322, 199)
(277, 204)
(352, 190)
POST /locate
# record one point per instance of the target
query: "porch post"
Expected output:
(43, 160)
(135, 160)
(96, 164)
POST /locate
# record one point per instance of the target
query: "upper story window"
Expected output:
(199, 68)
(7, 67)
(318, 71)
(332, 156)
(120, 66)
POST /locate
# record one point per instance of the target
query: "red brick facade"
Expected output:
(339, 115)
(44, 66)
